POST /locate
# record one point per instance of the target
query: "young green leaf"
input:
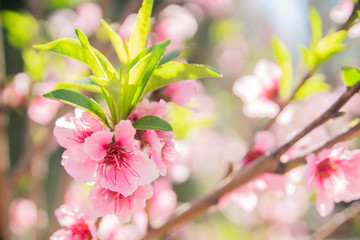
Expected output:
(313, 85)
(350, 76)
(283, 58)
(72, 48)
(137, 41)
(78, 100)
(152, 122)
(316, 28)
(117, 43)
(93, 61)
(111, 104)
(329, 45)
(172, 72)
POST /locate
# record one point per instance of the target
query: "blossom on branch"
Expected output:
(333, 174)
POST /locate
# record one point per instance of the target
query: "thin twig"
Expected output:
(349, 23)
(266, 163)
(336, 221)
(349, 134)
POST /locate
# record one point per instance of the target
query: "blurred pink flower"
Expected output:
(157, 144)
(42, 110)
(216, 8)
(88, 16)
(127, 27)
(110, 228)
(105, 201)
(333, 174)
(181, 92)
(16, 92)
(121, 165)
(77, 224)
(341, 12)
(246, 197)
(23, 215)
(162, 203)
(259, 90)
(177, 24)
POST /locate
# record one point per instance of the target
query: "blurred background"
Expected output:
(213, 132)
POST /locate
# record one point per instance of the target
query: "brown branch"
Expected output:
(336, 221)
(266, 163)
(349, 134)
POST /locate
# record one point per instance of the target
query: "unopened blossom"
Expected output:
(15, 92)
(334, 175)
(105, 201)
(157, 144)
(258, 91)
(121, 165)
(341, 12)
(77, 224)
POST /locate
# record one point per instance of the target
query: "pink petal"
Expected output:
(96, 145)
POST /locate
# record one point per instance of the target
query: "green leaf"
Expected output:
(117, 43)
(111, 104)
(78, 100)
(152, 122)
(90, 56)
(137, 41)
(83, 84)
(329, 45)
(313, 85)
(316, 27)
(72, 48)
(172, 72)
(350, 76)
(309, 58)
(283, 58)
(171, 56)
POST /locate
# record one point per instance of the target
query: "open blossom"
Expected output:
(334, 175)
(105, 201)
(121, 165)
(259, 90)
(157, 144)
(78, 224)
(71, 133)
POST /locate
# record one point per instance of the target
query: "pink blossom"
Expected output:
(71, 132)
(105, 201)
(127, 27)
(42, 110)
(259, 90)
(162, 203)
(333, 174)
(23, 215)
(216, 8)
(157, 144)
(88, 16)
(110, 228)
(177, 24)
(15, 92)
(121, 165)
(181, 92)
(78, 224)
(341, 12)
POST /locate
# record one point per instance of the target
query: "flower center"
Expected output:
(117, 156)
(115, 197)
(81, 134)
(251, 156)
(80, 231)
(326, 168)
(270, 93)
